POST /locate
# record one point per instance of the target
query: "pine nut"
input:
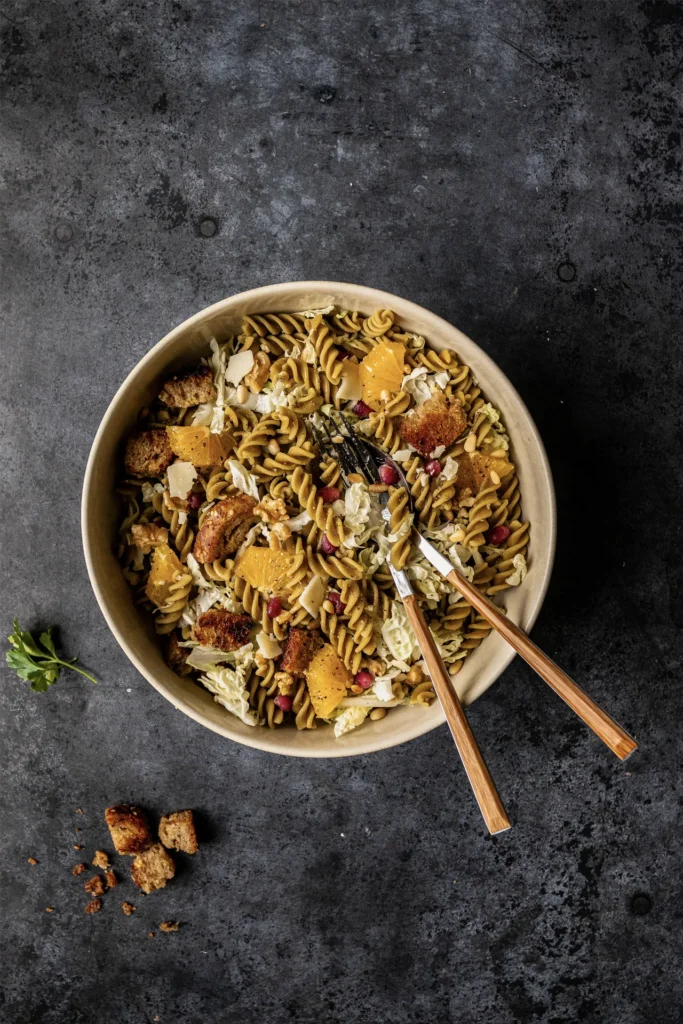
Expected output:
(470, 442)
(356, 478)
(242, 394)
(273, 447)
(495, 479)
(377, 713)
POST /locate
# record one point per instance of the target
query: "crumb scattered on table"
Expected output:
(93, 907)
(111, 878)
(100, 860)
(169, 926)
(127, 908)
(79, 811)
(79, 869)
(49, 910)
(95, 885)
(78, 846)
(32, 860)
(150, 935)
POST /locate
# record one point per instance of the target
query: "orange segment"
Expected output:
(199, 446)
(166, 567)
(381, 370)
(327, 680)
(265, 569)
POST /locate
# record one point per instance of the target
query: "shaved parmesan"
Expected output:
(181, 476)
(349, 389)
(268, 646)
(239, 366)
(313, 596)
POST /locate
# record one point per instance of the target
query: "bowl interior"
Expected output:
(100, 513)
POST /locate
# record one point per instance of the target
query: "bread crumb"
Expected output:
(79, 811)
(95, 885)
(79, 869)
(93, 907)
(127, 908)
(150, 935)
(111, 878)
(79, 829)
(100, 860)
(152, 869)
(169, 926)
(177, 832)
(32, 860)
(49, 910)
(78, 846)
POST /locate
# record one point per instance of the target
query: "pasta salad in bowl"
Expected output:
(259, 595)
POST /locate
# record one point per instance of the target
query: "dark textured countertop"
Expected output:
(515, 167)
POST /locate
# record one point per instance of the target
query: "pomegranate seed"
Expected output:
(498, 535)
(361, 409)
(388, 474)
(433, 467)
(329, 494)
(195, 500)
(335, 600)
(283, 702)
(326, 547)
(364, 679)
(274, 607)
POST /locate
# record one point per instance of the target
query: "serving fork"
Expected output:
(602, 724)
(353, 455)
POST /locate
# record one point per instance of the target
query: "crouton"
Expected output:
(176, 656)
(152, 869)
(224, 630)
(95, 885)
(100, 860)
(434, 423)
(300, 646)
(78, 869)
(224, 527)
(148, 453)
(127, 908)
(111, 878)
(186, 389)
(93, 907)
(177, 832)
(169, 926)
(129, 828)
(475, 470)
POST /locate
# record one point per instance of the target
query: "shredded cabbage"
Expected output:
(398, 633)
(218, 362)
(229, 685)
(520, 573)
(243, 479)
(348, 719)
(203, 415)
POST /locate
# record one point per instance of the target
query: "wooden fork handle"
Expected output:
(609, 731)
(481, 782)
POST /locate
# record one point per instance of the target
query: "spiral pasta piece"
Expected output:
(170, 612)
(400, 524)
(323, 338)
(381, 321)
(480, 513)
(323, 516)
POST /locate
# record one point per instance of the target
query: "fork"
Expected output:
(605, 727)
(352, 456)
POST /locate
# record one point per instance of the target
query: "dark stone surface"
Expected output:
(516, 168)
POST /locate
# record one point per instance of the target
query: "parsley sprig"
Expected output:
(37, 660)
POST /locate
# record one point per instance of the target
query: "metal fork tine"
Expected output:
(328, 449)
(361, 452)
(342, 452)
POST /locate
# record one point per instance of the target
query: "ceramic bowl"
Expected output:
(100, 511)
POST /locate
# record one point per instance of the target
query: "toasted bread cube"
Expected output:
(94, 906)
(177, 832)
(176, 656)
(222, 629)
(111, 878)
(95, 885)
(186, 389)
(224, 527)
(169, 926)
(100, 860)
(300, 647)
(148, 453)
(152, 869)
(129, 828)
(434, 423)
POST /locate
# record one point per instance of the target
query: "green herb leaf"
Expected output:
(37, 661)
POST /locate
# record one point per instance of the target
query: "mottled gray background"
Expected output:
(514, 166)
